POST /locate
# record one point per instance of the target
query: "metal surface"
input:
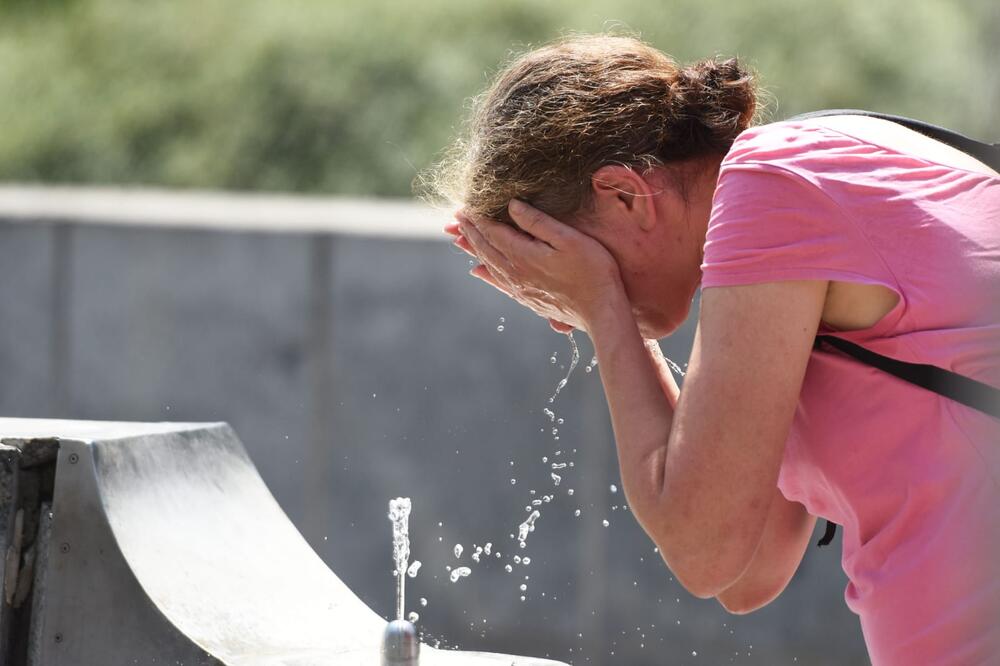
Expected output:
(166, 547)
(400, 644)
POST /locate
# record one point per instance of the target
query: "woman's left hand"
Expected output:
(547, 266)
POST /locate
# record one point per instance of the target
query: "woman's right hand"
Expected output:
(535, 301)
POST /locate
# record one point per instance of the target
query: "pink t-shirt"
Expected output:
(913, 478)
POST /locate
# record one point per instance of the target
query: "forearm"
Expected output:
(641, 395)
(782, 545)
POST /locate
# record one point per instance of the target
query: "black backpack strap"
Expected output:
(986, 153)
(959, 388)
(828, 534)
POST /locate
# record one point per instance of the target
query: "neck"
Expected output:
(700, 208)
(699, 179)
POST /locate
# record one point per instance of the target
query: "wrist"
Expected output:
(610, 312)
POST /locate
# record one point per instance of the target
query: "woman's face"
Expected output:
(657, 268)
(657, 235)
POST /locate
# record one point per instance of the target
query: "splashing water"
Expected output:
(527, 527)
(572, 366)
(399, 515)
(460, 572)
(673, 366)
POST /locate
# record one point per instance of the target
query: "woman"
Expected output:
(645, 181)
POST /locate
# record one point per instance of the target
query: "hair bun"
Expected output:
(716, 99)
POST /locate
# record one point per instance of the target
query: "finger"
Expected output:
(512, 242)
(538, 224)
(560, 327)
(483, 273)
(462, 244)
(487, 253)
(452, 229)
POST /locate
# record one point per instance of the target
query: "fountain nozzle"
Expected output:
(400, 644)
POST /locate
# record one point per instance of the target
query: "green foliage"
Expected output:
(355, 97)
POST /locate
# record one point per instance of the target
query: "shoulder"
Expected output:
(787, 143)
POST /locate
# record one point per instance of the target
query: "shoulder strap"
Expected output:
(959, 388)
(987, 153)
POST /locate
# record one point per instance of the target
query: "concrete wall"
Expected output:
(361, 368)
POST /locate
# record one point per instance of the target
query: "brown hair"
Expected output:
(555, 115)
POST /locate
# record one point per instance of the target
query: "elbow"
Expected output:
(750, 593)
(702, 585)
(705, 577)
(704, 567)
(743, 602)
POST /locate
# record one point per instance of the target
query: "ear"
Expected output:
(624, 193)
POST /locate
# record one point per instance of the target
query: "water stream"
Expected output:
(399, 515)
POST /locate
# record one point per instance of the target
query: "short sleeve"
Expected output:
(771, 224)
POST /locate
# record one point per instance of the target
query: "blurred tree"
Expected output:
(356, 97)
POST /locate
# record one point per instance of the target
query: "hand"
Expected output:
(556, 271)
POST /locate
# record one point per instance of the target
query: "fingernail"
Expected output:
(517, 206)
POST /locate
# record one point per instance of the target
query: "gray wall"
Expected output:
(356, 370)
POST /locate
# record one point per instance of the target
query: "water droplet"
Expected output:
(513, 481)
(414, 617)
(458, 550)
(500, 328)
(522, 597)
(508, 568)
(414, 569)
(558, 465)
(524, 587)
(694, 653)
(423, 602)
(526, 561)
(577, 513)
(614, 488)
(460, 572)
(488, 548)
(570, 492)
(527, 527)
(556, 479)
(605, 523)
